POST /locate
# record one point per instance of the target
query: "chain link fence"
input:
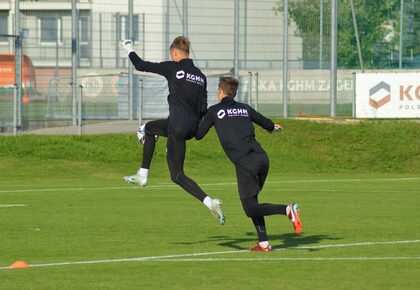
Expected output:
(73, 69)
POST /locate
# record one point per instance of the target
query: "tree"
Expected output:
(411, 39)
(378, 24)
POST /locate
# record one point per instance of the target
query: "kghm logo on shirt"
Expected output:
(180, 74)
(232, 113)
(195, 79)
(190, 77)
(221, 114)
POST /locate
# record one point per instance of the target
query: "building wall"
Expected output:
(210, 29)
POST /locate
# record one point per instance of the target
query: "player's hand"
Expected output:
(127, 44)
(277, 127)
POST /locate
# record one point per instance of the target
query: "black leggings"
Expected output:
(175, 151)
(256, 211)
(251, 172)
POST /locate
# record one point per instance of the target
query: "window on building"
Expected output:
(50, 29)
(4, 27)
(84, 29)
(123, 25)
(84, 36)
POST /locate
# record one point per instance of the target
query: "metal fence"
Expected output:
(60, 63)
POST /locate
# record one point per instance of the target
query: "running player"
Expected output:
(233, 123)
(187, 104)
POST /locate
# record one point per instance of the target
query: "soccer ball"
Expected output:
(141, 134)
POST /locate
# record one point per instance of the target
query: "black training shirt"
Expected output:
(187, 84)
(233, 123)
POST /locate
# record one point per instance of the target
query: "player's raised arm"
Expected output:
(161, 68)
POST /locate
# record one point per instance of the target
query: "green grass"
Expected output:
(308, 147)
(355, 183)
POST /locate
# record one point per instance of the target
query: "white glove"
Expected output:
(127, 44)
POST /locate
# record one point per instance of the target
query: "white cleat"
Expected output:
(136, 179)
(216, 210)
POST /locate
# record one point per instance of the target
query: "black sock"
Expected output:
(148, 149)
(264, 209)
(259, 224)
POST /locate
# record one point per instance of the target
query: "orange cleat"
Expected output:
(258, 248)
(294, 218)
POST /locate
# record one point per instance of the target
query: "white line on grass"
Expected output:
(12, 205)
(345, 190)
(289, 259)
(349, 245)
(184, 257)
(174, 186)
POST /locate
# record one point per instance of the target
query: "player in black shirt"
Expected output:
(187, 104)
(233, 123)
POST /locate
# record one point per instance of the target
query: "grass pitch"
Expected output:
(79, 226)
(359, 232)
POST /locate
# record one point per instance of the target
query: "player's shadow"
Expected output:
(283, 241)
(289, 240)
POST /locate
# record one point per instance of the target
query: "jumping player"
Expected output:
(233, 123)
(187, 104)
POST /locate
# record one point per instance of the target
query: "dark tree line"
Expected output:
(379, 31)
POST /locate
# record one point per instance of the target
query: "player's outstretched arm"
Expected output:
(261, 120)
(162, 68)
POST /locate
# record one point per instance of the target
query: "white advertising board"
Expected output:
(388, 95)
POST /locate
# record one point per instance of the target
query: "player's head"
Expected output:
(227, 87)
(180, 48)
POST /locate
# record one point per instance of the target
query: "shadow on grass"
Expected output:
(289, 240)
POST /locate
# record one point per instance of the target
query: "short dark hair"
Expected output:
(182, 43)
(228, 85)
